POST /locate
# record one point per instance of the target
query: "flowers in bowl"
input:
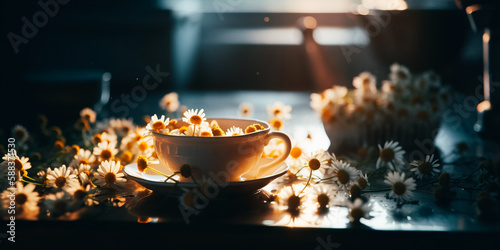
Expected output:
(400, 108)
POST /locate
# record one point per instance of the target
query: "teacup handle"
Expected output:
(288, 147)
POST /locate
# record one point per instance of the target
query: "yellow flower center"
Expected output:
(217, 131)
(142, 163)
(21, 198)
(314, 164)
(343, 176)
(58, 145)
(157, 125)
(183, 129)
(366, 81)
(276, 112)
(83, 161)
(386, 154)
(96, 139)
(399, 188)
(258, 126)
(245, 111)
(356, 213)
(19, 134)
(60, 181)
(143, 146)
(126, 156)
(402, 75)
(323, 200)
(195, 119)
(296, 152)
(277, 124)
(74, 149)
(425, 167)
(138, 137)
(168, 103)
(110, 178)
(18, 164)
(205, 134)
(250, 129)
(79, 194)
(106, 154)
(293, 202)
(362, 183)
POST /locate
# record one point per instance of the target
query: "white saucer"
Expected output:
(156, 182)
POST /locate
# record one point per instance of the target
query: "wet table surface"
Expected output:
(232, 222)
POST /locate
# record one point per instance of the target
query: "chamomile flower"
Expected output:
(157, 124)
(84, 168)
(84, 179)
(109, 175)
(291, 200)
(21, 164)
(365, 83)
(88, 114)
(279, 110)
(402, 189)
(390, 155)
(121, 126)
(82, 157)
(170, 102)
(82, 195)
(245, 109)
(217, 131)
(234, 131)
(363, 181)
(62, 178)
(427, 167)
(106, 151)
(344, 174)
(317, 161)
(400, 74)
(276, 124)
(194, 116)
(104, 137)
(323, 195)
(296, 154)
(58, 203)
(25, 196)
(20, 133)
(328, 98)
(358, 210)
(130, 143)
(206, 131)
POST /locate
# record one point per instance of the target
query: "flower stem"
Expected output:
(310, 176)
(170, 177)
(32, 182)
(158, 172)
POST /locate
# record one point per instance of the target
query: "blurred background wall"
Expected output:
(218, 45)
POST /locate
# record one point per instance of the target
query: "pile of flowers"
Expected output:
(405, 104)
(197, 126)
(63, 180)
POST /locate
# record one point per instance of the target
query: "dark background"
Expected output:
(59, 70)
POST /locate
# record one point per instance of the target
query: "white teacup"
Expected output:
(226, 158)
